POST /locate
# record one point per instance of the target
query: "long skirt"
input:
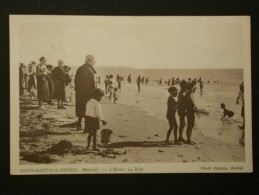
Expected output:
(51, 87)
(32, 85)
(59, 91)
(42, 88)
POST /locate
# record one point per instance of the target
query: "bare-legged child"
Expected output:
(182, 109)
(172, 106)
(190, 111)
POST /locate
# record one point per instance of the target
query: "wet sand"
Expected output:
(137, 138)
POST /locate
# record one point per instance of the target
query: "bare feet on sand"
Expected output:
(180, 139)
(190, 142)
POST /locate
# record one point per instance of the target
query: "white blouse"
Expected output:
(93, 109)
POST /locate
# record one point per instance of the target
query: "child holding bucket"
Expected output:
(94, 118)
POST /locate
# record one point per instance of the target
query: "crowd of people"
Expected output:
(56, 83)
(45, 82)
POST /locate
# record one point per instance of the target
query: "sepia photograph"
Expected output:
(130, 94)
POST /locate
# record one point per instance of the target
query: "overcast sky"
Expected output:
(140, 42)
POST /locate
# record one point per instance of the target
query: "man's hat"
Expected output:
(172, 89)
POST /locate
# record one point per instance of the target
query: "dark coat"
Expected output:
(42, 84)
(58, 77)
(84, 85)
(20, 80)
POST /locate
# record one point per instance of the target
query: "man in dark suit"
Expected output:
(84, 85)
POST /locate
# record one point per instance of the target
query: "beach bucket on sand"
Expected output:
(105, 136)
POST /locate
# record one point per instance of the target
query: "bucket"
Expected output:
(105, 136)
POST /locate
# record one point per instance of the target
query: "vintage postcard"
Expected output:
(135, 94)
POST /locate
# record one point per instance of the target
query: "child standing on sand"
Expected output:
(115, 95)
(190, 111)
(182, 109)
(172, 105)
(226, 112)
(94, 118)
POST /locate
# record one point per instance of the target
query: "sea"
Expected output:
(223, 87)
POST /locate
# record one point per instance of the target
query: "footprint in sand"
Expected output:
(160, 151)
(179, 155)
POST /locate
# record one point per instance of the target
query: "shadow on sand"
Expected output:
(144, 144)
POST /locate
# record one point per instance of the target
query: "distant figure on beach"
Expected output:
(106, 83)
(182, 109)
(226, 112)
(173, 81)
(190, 111)
(32, 82)
(129, 78)
(42, 82)
(58, 77)
(147, 80)
(115, 95)
(169, 82)
(51, 83)
(172, 105)
(117, 77)
(201, 86)
(189, 80)
(160, 81)
(208, 81)
(143, 79)
(138, 82)
(110, 89)
(84, 85)
(94, 118)
(119, 85)
(241, 96)
(194, 81)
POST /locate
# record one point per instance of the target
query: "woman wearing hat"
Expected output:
(58, 77)
(68, 80)
(32, 83)
(42, 82)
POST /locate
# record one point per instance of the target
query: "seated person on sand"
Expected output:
(94, 118)
(226, 112)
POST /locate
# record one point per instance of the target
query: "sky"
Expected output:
(139, 42)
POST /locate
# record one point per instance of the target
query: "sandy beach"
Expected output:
(137, 138)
